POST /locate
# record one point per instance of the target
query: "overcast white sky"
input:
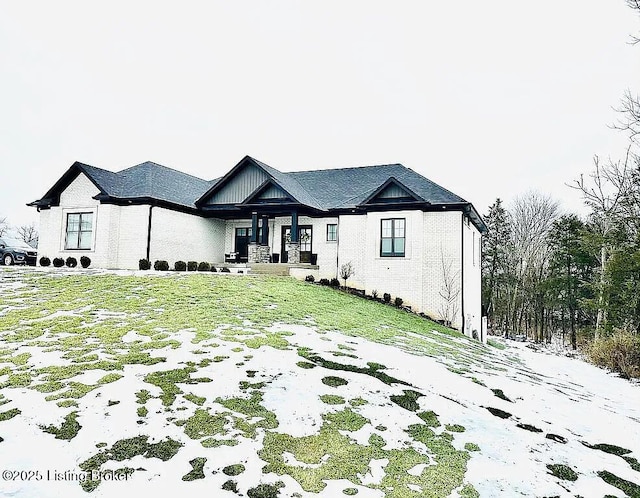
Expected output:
(488, 99)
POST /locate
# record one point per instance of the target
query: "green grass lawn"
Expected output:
(80, 323)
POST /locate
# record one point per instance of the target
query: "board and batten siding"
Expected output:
(245, 181)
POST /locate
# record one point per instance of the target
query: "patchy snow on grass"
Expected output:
(309, 411)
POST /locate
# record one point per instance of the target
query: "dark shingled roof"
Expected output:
(348, 187)
(159, 182)
(322, 190)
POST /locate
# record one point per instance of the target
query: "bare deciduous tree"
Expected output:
(346, 272)
(629, 116)
(605, 192)
(4, 226)
(532, 217)
(449, 290)
(28, 233)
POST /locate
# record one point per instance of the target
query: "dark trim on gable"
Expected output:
(381, 188)
(225, 179)
(253, 196)
(52, 197)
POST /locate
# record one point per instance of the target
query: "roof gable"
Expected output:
(269, 192)
(392, 190)
(101, 178)
(238, 184)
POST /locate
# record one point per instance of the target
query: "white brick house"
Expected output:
(403, 234)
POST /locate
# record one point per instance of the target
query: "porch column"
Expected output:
(265, 230)
(294, 245)
(254, 228)
(253, 256)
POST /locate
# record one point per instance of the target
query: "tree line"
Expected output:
(547, 274)
(28, 233)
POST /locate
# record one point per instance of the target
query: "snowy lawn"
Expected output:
(227, 385)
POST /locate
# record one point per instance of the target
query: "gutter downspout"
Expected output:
(149, 232)
(462, 271)
(338, 246)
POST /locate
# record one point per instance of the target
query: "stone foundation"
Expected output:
(258, 254)
(294, 253)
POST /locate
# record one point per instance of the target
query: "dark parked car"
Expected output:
(16, 252)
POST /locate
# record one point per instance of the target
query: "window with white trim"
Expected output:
(79, 231)
(392, 237)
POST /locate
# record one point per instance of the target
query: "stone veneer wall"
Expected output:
(258, 254)
(294, 253)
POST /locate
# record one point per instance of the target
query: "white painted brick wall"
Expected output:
(442, 237)
(180, 236)
(472, 280)
(120, 239)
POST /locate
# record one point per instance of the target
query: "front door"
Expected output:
(243, 236)
(305, 233)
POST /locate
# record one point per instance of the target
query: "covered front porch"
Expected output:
(269, 237)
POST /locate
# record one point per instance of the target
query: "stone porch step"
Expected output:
(277, 268)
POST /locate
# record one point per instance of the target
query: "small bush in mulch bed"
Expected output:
(161, 265)
(324, 281)
(398, 302)
(213, 268)
(144, 264)
(180, 266)
(334, 282)
(71, 262)
(386, 297)
(204, 266)
(310, 278)
(44, 261)
(225, 270)
(85, 261)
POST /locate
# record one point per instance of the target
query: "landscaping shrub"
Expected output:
(310, 278)
(58, 262)
(386, 297)
(225, 270)
(71, 262)
(161, 265)
(44, 261)
(334, 282)
(619, 353)
(398, 301)
(85, 261)
(204, 266)
(324, 281)
(213, 268)
(180, 266)
(192, 266)
(144, 264)
(374, 294)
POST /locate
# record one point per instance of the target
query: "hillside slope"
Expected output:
(223, 385)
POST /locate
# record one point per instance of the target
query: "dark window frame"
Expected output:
(334, 233)
(79, 232)
(393, 253)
